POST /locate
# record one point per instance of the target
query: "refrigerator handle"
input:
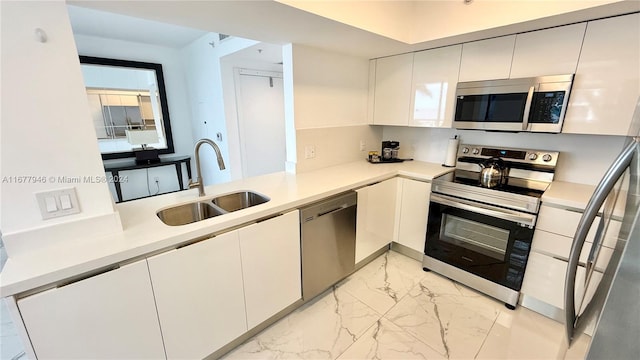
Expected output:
(598, 198)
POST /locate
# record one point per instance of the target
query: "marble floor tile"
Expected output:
(382, 283)
(10, 344)
(385, 340)
(321, 329)
(524, 334)
(452, 319)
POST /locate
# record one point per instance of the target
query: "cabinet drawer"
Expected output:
(562, 222)
(559, 246)
(544, 279)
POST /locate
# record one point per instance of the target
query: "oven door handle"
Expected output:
(504, 214)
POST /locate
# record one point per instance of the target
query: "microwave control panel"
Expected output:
(546, 107)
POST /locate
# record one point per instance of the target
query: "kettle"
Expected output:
(494, 172)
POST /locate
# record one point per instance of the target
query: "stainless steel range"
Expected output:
(482, 216)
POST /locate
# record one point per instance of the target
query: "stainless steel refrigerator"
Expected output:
(613, 300)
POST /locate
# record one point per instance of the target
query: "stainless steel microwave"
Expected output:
(536, 104)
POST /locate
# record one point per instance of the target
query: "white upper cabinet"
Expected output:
(199, 296)
(435, 74)
(607, 82)
(552, 51)
(487, 59)
(392, 90)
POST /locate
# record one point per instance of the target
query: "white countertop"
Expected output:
(144, 234)
(567, 194)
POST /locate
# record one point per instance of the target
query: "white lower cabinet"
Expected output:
(376, 217)
(544, 278)
(203, 296)
(271, 269)
(414, 211)
(108, 316)
(199, 295)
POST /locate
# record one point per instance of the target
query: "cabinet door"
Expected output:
(270, 253)
(487, 59)
(414, 211)
(544, 279)
(393, 90)
(376, 217)
(199, 295)
(435, 75)
(552, 51)
(107, 316)
(607, 82)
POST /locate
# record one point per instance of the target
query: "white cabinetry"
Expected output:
(435, 74)
(108, 316)
(487, 59)
(607, 82)
(414, 211)
(271, 266)
(199, 296)
(552, 51)
(376, 217)
(392, 90)
(547, 265)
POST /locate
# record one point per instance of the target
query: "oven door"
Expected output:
(485, 240)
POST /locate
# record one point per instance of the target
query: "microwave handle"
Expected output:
(527, 108)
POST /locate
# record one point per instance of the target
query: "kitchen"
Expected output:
(584, 163)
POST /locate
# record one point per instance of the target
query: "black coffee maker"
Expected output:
(390, 150)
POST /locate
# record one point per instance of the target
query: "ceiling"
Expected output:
(102, 24)
(363, 28)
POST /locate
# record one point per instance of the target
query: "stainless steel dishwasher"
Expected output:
(328, 230)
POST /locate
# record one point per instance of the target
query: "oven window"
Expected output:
(482, 238)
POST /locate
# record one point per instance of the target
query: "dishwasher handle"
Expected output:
(328, 206)
(343, 206)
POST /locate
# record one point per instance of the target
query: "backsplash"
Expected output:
(335, 145)
(583, 158)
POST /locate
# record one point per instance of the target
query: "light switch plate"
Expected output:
(66, 203)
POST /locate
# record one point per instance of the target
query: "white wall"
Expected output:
(206, 93)
(178, 102)
(329, 98)
(583, 158)
(228, 64)
(46, 123)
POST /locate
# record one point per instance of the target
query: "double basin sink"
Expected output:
(201, 210)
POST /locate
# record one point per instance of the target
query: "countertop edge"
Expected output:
(19, 277)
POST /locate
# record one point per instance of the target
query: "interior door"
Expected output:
(260, 98)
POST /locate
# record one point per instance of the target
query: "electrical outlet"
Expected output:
(363, 145)
(309, 152)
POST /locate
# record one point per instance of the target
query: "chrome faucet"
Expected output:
(199, 183)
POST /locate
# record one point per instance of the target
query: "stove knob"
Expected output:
(476, 151)
(546, 157)
(533, 156)
(465, 150)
